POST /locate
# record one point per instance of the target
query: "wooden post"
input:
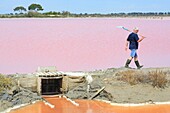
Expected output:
(100, 90)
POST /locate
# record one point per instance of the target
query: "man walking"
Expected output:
(133, 41)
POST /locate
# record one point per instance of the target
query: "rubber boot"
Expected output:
(127, 63)
(138, 65)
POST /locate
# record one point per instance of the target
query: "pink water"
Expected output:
(79, 44)
(88, 106)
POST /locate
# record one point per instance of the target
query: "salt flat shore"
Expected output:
(121, 86)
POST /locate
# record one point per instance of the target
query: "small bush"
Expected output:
(33, 14)
(5, 83)
(155, 78)
(130, 77)
(158, 79)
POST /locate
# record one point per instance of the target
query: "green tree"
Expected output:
(66, 13)
(20, 9)
(35, 7)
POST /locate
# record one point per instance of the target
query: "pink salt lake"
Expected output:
(79, 44)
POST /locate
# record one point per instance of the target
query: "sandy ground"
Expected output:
(118, 91)
(115, 90)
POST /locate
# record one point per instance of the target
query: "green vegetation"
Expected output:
(35, 7)
(5, 83)
(155, 78)
(20, 9)
(34, 11)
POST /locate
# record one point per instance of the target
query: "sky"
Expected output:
(90, 6)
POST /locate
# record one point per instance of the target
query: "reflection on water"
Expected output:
(88, 106)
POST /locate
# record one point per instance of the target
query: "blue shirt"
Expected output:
(133, 41)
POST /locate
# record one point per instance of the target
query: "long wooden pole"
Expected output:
(100, 90)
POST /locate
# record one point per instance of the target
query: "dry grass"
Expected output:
(155, 78)
(129, 76)
(158, 78)
(5, 83)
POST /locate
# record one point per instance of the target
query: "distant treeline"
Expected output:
(136, 14)
(34, 10)
(69, 14)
